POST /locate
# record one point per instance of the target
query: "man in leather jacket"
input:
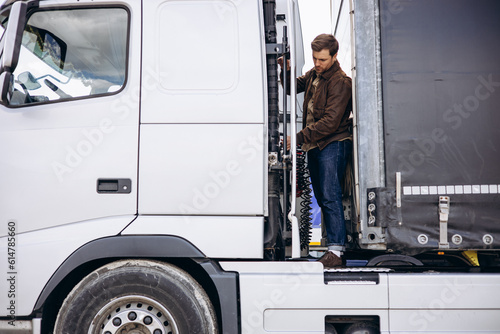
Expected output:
(326, 137)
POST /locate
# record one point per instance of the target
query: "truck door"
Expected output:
(203, 109)
(69, 122)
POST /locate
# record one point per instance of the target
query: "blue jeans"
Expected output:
(327, 169)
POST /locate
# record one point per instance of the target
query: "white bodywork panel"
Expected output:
(291, 297)
(215, 237)
(441, 302)
(40, 253)
(202, 169)
(188, 80)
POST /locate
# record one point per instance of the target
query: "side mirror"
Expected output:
(6, 86)
(28, 80)
(13, 36)
(11, 42)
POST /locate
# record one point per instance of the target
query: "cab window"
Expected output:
(72, 53)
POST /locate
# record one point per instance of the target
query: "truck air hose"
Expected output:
(304, 189)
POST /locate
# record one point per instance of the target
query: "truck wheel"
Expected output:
(362, 328)
(137, 297)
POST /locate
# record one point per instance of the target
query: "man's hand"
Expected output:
(288, 145)
(280, 63)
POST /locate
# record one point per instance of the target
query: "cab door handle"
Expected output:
(114, 186)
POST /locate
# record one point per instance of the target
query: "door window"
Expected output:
(72, 53)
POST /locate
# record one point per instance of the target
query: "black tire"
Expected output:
(362, 328)
(391, 260)
(330, 329)
(134, 295)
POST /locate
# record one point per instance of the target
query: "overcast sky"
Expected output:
(315, 19)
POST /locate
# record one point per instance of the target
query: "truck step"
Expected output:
(349, 276)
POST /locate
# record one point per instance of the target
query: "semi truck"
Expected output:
(145, 187)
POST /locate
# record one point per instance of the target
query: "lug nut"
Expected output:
(132, 316)
(148, 320)
(117, 321)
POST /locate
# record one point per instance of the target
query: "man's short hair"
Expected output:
(325, 41)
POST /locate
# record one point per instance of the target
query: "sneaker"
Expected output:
(330, 260)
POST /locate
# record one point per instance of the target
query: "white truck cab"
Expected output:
(144, 187)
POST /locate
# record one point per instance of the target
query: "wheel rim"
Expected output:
(133, 315)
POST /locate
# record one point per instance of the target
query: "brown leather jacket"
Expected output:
(332, 106)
